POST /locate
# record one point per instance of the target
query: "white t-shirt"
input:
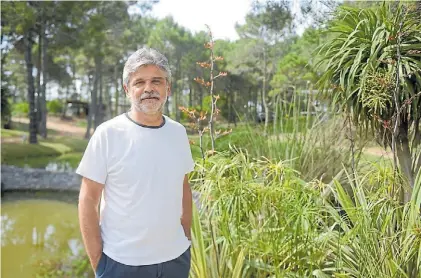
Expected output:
(143, 170)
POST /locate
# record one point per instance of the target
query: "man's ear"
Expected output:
(169, 90)
(126, 90)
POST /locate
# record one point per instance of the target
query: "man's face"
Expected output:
(148, 89)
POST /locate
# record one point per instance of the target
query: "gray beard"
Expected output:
(136, 106)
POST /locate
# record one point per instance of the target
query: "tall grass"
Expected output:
(317, 146)
(258, 218)
(298, 203)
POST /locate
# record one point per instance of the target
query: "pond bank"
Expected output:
(15, 178)
(29, 179)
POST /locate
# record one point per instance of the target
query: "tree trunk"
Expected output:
(177, 92)
(275, 120)
(93, 105)
(404, 157)
(98, 109)
(265, 104)
(256, 102)
(63, 114)
(415, 145)
(5, 93)
(117, 92)
(66, 97)
(249, 98)
(89, 121)
(74, 78)
(190, 95)
(309, 102)
(229, 108)
(201, 98)
(109, 100)
(39, 69)
(43, 101)
(235, 114)
(31, 90)
(176, 101)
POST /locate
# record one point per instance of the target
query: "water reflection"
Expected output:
(59, 166)
(35, 231)
(46, 164)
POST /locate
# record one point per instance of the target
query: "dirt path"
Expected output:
(64, 127)
(12, 140)
(378, 152)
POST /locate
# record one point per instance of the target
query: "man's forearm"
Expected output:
(89, 226)
(186, 218)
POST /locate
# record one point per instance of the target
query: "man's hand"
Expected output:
(89, 198)
(95, 261)
(186, 218)
(187, 227)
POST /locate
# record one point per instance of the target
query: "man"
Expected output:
(138, 162)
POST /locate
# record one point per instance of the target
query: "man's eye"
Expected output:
(157, 82)
(140, 83)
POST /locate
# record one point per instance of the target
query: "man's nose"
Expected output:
(148, 86)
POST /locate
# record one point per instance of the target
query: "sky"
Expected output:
(220, 15)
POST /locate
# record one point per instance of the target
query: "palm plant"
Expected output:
(380, 237)
(373, 70)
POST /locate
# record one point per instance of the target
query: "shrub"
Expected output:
(20, 109)
(55, 106)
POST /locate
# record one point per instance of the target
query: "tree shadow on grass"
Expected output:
(25, 127)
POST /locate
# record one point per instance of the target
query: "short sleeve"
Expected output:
(189, 157)
(94, 161)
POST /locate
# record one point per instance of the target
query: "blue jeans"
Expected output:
(176, 268)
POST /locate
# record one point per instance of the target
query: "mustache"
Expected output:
(149, 95)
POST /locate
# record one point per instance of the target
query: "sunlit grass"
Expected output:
(5, 133)
(37, 155)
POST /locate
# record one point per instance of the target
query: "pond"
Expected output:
(38, 229)
(66, 162)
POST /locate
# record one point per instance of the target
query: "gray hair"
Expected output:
(142, 57)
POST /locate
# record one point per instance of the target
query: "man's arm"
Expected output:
(89, 198)
(186, 218)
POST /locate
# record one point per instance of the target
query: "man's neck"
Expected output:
(146, 119)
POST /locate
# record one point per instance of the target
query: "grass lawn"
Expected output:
(69, 159)
(375, 158)
(7, 133)
(22, 128)
(60, 149)
(81, 123)
(371, 161)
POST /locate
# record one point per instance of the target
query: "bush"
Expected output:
(20, 109)
(54, 106)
